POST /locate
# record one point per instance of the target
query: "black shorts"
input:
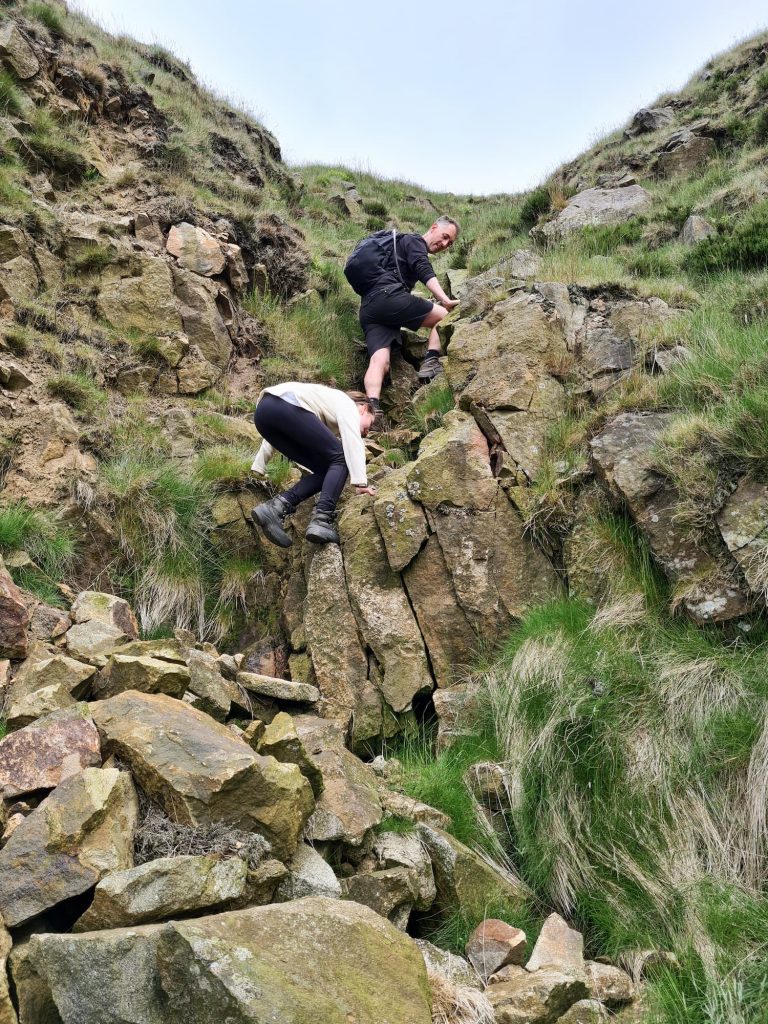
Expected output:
(384, 311)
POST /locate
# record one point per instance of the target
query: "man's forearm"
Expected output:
(434, 286)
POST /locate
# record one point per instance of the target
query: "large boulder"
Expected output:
(494, 944)
(200, 772)
(558, 945)
(391, 892)
(281, 741)
(143, 674)
(394, 849)
(202, 319)
(624, 458)
(310, 960)
(14, 618)
(16, 51)
(465, 881)
(94, 641)
(402, 523)
(538, 998)
(48, 750)
(597, 206)
(649, 119)
(213, 694)
(309, 875)
(685, 150)
(743, 525)
(79, 833)
(163, 888)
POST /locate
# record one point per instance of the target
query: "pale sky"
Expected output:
(483, 96)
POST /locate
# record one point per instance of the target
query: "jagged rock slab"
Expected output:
(14, 619)
(384, 616)
(83, 830)
(414, 810)
(349, 805)
(464, 880)
(203, 323)
(597, 206)
(453, 467)
(278, 689)
(281, 741)
(623, 454)
(695, 230)
(391, 892)
(341, 669)
(214, 694)
(195, 249)
(609, 984)
(449, 965)
(309, 960)
(309, 875)
(90, 605)
(494, 944)
(449, 638)
(7, 1011)
(558, 945)
(538, 998)
(94, 641)
(145, 302)
(16, 51)
(586, 1011)
(163, 888)
(45, 683)
(145, 675)
(48, 750)
(200, 772)
(393, 849)
(402, 523)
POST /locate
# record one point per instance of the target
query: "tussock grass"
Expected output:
(47, 15)
(427, 413)
(48, 541)
(11, 97)
(640, 746)
(78, 390)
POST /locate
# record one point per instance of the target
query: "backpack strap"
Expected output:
(397, 260)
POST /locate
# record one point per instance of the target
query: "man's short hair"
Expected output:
(449, 220)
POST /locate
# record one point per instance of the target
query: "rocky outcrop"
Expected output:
(47, 751)
(596, 206)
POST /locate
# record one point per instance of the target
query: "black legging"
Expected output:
(301, 436)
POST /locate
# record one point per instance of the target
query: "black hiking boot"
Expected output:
(431, 367)
(322, 528)
(271, 516)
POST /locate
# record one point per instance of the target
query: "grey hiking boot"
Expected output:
(378, 421)
(430, 367)
(322, 528)
(271, 516)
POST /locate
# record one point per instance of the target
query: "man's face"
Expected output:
(440, 237)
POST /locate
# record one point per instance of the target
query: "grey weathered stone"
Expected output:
(163, 888)
(92, 605)
(213, 693)
(145, 302)
(394, 849)
(558, 945)
(538, 998)
(609, 984)
(48, 750)
(7, 1011)
(309, 875)
(14, 619)
(45, 682)
(449, 965)
(94, 641)
(146, 675)
(390, 892)
(743, 525)
(278, 689)
(696, 229)
(585, 1011)
(81, 831)
(649, 119)
(16, 51)
(597, 206)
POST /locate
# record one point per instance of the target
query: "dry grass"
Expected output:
(457, 1004)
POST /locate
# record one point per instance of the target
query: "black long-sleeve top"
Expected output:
(413, 255)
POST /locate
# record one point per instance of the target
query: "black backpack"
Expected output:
(371, 261)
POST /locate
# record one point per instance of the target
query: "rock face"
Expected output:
(16, 51)
(538, 998)
(46, 682)
(597, 206)
(90, 605)
(494, 944)
(200, 772)
(48, 750)
(696, 229)
(623, 454)
(195, 249)
(743, 525)
(167, 887)
(14, 619)
(313, 959)
(83, 830)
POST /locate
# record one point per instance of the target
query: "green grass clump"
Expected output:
(760, 128)
(534, 206)
(47, 15)
(427, 413)
(744, 248)
(79, 391)
(224, 466)
(651, 263)
(93, 259)
(46, 539)
(604, 239)
(11, 102)
(58, 149)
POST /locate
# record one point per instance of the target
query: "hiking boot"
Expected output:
(378, 420)
(271, 516)
(431, 367)
(322, 528)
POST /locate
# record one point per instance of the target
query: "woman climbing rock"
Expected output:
(299, 420)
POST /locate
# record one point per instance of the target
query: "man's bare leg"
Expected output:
(374, 375)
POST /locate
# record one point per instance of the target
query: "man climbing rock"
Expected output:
(383, 269)
(299, 420)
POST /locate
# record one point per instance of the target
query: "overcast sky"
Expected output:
(483, 96)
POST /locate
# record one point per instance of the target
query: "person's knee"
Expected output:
(337, 458)
(433, 319)
(380, 361)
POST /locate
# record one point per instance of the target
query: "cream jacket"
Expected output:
(333, 408)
